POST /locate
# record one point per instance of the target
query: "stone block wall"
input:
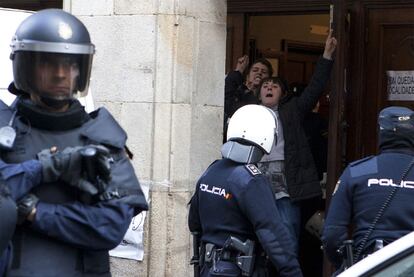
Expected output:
(159, 68)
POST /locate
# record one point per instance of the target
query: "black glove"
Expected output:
(25, 206)
(69, 166)
(96, 161)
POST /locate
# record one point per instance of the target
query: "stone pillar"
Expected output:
(159, 68)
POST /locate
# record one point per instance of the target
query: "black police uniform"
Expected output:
(366, 186)
(236, 199)
(15, 181)
(361, 191)
(8, 215)
(69, 237)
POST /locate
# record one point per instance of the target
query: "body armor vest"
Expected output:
(36, 254)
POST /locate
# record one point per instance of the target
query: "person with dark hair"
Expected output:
(239, 91)
(316, 130)
(67, 226)
(374, 195)
(290, 166)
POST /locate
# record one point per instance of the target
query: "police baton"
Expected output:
(195, 260)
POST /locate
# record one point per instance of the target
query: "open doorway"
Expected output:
(293, 44)
(31, 5)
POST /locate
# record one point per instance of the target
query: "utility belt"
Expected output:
(214, 253)
(348, 252)
(235, 257)
(230, 256)
(374, 246)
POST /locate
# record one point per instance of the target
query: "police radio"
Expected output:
(8, 134)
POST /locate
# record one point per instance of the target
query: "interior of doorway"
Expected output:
(293, 44)
(31, 5)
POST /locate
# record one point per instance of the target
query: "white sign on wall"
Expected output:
(400, 85)
(132, 246)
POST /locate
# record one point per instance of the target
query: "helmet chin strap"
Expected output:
(241, 153)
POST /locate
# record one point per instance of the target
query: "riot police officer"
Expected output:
(16, 180)
(233, 207)
(67, 232)
(375, 193)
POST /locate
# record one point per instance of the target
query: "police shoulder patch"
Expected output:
(363, 167)
(253, 169)
(354, 163)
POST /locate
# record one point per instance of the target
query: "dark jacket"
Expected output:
(236, 199)
(300, 170)
(236, 94)
(361, 192)
(70, 236)
(16, 180)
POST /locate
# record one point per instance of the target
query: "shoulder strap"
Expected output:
(103, 128)
(252, 169)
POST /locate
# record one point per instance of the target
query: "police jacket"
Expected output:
(21, 178)
(237, 200)
(16, 180)
(361, 191)
(301, 175)
(70, 237)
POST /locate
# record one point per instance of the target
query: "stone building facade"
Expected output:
(159, 68)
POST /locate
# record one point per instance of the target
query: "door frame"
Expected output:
(348, 81)
(337, 142)
(31, 5)
(359, 33)
(242, 9)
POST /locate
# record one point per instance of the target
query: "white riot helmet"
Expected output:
(250, 134)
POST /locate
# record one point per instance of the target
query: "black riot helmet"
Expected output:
(396, 128)
(8, 215)
(52, 56)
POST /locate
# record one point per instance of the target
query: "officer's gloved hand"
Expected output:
(25, 207)
(72, 167)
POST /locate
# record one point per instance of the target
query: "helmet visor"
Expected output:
(56, 76)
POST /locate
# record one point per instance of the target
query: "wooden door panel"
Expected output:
(398, 39)
(235, 39)
(295, 71)
(390, 47)
(299, 68)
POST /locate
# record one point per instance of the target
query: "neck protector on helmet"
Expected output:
(241, 153)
